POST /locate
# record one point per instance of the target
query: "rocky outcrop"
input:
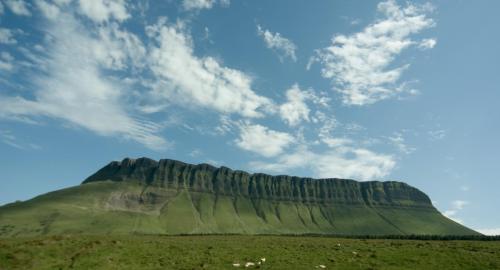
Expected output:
(224, 181)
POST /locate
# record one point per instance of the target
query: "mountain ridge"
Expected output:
(197, 178)
(172, 197)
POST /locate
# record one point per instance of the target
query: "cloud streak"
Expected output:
(75, 89)
(203, 82)
(284, 47)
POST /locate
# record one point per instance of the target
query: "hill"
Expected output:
(171, 197)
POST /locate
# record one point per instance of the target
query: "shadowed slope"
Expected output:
(172, 197)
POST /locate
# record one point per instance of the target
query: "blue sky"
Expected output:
(368, 90)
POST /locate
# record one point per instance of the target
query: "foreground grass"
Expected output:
(220, 252)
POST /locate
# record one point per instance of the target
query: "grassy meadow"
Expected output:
(221, 252)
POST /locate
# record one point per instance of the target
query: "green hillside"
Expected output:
(170, 197)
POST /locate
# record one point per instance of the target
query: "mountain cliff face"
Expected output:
(172, 197)
(224, 181)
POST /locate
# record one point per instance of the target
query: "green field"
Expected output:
(220, 252)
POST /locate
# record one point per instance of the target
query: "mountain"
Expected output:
(172, 197)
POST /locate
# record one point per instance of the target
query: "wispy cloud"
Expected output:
(7, 36)
(203, 4)
(335, 158)
(281, 45)
(427, 43)
(456, 206)
(435, 135)
(340, 162)
(398, 140)
(6, 62)
(18, 7)
(73, 88)
(50, 11)
(203, 82)
(8, 138)
(102, 10)
(360, 64)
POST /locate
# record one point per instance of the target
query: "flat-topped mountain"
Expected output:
(171, 197)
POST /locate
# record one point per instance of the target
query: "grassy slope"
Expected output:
(111, 208)
(220, 252)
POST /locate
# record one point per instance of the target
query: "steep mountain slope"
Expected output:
(172, 197)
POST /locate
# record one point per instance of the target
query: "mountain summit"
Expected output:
(171, 197)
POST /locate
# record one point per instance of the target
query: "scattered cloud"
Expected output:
(456, 206)
(8, 138)
(7, 36)
(340, 161)
(355, 21)
(204, 82)
(103, 10)
(464, 188)
(6, 62)
(494, 231)
(427, 43)
(336, 158)
(226, 125)
(74, 88)
(196, 153)
(436, 135)
(360, 64)
(203, 4)
(49, 10)
(262, 140)
(295, 109)
(281, 45)
(18, 7)
(399, 142)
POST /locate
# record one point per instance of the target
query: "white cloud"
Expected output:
(118, 49)
(494, 231)
(18, 7)
(74, 89)
(49, 10)
(295, 109)
(186, 79)
(360, 64)
(456, 206)
(225, 126)
(6, 36)
(8, 138)
(336, 142)
(263, 141)
(436, 135)
(6, 61)
(62, 3)
(339, 158)
(202, 4)
(399, 142)
(104, 10)
(283, 46)
(427, 43)
(341, 161)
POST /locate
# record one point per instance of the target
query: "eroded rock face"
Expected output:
(224, 181)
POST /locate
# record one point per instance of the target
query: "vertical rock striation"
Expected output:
(205, 178)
